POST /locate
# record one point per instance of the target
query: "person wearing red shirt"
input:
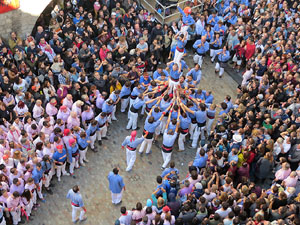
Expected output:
(103, 52)
(249, 49)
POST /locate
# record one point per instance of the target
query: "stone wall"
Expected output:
(22, 20)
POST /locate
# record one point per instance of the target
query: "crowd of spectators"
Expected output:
(67, 77)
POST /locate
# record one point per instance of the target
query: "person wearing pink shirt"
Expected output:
(46, 118)
(13, 134)
(291, 180)
(14, 203)
(68, 101)
(38, 110)
(283, 173)
(63, 113)
(67, 136)
(33, 131)
(51, 109)
(77, 107)
(47, 129)
(73, 120)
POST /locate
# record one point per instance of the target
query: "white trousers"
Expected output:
(60, 169)
(34, 197)
(132, 123)
(116, 197)
(163, 124)
(237, 61)
(16, 216)
(198, 59)
(172, 85)
(143, 109)
(199, 131)
(82, 155)
(3, 221)
(93, 139)
(130, 159)
(178, 56)
(219, 69)
(48, 178)
(101, 133)
(208, 125)
(192, 129)
(113, 114)
(184, 29)
(166, 158)
(148, 143)
(39, 192)
(124, 104)
(74, 213)
(157, 129)
(212, 52)
(181, 140)
(74, 164)
(28, 208)
(131, 101)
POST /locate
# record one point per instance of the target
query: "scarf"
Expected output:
(133, 135)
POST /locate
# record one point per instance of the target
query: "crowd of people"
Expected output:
(61, 86)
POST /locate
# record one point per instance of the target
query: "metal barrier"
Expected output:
(161, 15)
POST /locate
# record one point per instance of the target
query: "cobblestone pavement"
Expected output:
(139, 183)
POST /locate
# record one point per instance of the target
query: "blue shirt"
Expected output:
(72, 150)
(156, 115)
(175, 74)
(150, 127)
(222, 57)
(125, 91)
(82, 142)
(75, 20)
(184, 122)
(232, 20)
(200, 161)
(200, 116)
(221, 29)
(37, 175)
(156, 74)
(196, 74)
(209, 99)
(232, 157)
(91, 129)
(138, 103)
(60, 157)
(218, 43)
(168, 140)
(187, 20)
(164, 105)
(210, 20)
(113, 96)
(76, 198)
(203, 49)
(132, 144)
(116, 183)
(136, 91)
(107, 108)
(101, 120)
(211, 113)
(181, 44)
(169, 170)
(143, 80)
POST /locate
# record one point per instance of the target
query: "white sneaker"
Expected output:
(114, 119)
(58, 179)
(82, 164)
(66, 174)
